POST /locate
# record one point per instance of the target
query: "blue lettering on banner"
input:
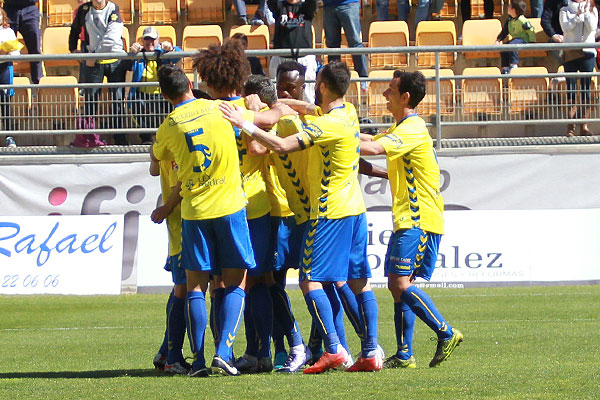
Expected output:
(71, 242)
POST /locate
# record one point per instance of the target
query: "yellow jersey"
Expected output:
(414, 176)
(203, 145)
(251, 168)
(277, 197)
(168, 179)
(292, 168)
(333, 163)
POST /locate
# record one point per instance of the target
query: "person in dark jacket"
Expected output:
(24, 17)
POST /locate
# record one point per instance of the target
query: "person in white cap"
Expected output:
(148, 106)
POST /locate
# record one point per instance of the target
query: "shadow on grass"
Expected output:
(115, 373)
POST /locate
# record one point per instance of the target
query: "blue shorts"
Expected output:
(412, 251)
(335, 250)
(175, 267)
(212, 244)
(289, 241)
(262, 238)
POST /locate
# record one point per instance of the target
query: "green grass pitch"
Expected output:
(520, 343)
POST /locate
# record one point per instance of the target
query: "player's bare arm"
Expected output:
(366, 168)
(162, 212)
(302, 107)
(371, 148)
(266, 119)
(272, 142)
(154, 166)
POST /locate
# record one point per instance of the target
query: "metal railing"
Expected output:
(452, 100)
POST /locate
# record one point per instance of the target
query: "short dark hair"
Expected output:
(412, 83)
(520, 6)
(336, 76)
(173, 81)
(223, 67)
(242, 38)
(289, 66)
(263, 87)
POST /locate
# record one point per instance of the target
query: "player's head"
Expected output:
(263, 87)
(224, 68)
(334, 78)
(406, 90)
(173, 82)
(290, 80)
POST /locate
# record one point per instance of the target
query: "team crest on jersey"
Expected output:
(314, 131)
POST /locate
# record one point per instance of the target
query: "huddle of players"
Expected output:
(284, 181)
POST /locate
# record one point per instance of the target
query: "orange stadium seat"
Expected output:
(435, 33)
(481, 96)
(58, 106)
(165, 32)
(205, 11)
(159, 11)
(196, 37)
(60, 12)
(127, 10)
(481, 32)
(559, 90)
(21, 102)
(388, 34)
(55, 40)
(20, 66)
(477, 10)
(378, 103)
(447, 94)
(353, 92)
(258, 38)
(347, 58)
(540, 37)
(527, 94)
(125, 37)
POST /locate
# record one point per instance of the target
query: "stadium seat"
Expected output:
(377, 103)
(481, 32)
(60, 12)
(447, 94)
(55, 40)
(21, 103)
(347, 58)
(558, 89)
(388, 34)
(527, 94)
(165, 32)
(159, 11)
(435, 33)
(197, 37)
(540, 37)
(481, 96)
(205, 11)
(58, 107)
(127, 10)
(353, 92)
(477, 10)
(125, 37)
(258, 38)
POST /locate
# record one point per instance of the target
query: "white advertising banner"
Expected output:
(61, 254)
(153, 248)
(505, 246)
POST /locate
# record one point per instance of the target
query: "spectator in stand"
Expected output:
(103, 34)
(260, 17)
(551, 25)
(255, 66)
(465, 9)
(6, 69)
(338, 14)
(521, 31)
(422, 13)
(293, 30)
(24, 17)
(578, 21)
(149, 106)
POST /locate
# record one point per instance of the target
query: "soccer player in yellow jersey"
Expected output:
(335, 242)
(174, 363)
(215, 237)
(418, 222)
